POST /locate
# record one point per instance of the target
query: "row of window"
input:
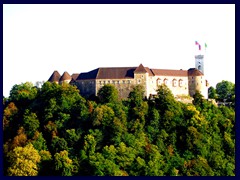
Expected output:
(175, 82)
(115, 82)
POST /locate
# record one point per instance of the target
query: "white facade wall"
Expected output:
(177, 84)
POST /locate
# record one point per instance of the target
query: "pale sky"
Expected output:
(38, 39)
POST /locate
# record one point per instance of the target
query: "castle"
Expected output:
(180, 82)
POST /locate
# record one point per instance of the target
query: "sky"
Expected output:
(39, 38)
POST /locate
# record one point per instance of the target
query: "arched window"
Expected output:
(159, 82)
(174, 82)
(165, 81)
(180, 82)
(199, 67)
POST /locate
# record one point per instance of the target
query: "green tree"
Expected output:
(212, 93)
(108, 94)
(138, 109)
(30, 123)
(23, 161)
(38, 142)
(224, 90)
(23, 94)
(63, 164)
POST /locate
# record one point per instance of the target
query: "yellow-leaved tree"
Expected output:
(23, 161)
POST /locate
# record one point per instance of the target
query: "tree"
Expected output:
(138, 108)
(23, 94)
(9, 116)
(212, 94)
(63, 164)
(23, 161)
(30, 123)
(108, 94)
(225, 90)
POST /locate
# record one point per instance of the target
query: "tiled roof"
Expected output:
(65, 76)
(88, 75)
(109, 73)
(54, 77)
(128, 72)
(116, 73)
(140, 69)
(169, 72)
(74, 76)
(194, 72)
(150, 73)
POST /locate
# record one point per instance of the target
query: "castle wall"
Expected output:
(177, 84)
(142, 79)
(124, 86)
(86, 87)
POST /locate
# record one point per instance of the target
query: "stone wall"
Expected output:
(124, 86)
(197, 83)
(86, 87)
(142, 79)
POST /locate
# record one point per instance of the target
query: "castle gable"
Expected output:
(140, 69)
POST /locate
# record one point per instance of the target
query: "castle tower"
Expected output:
(54, 77)
(199, 63)
(65, 78)
(141, 78)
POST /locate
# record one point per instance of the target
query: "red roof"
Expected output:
(54, 77)
(194, 72)
(169, 72)
(140, 69)
(128, 72)
(65, 76)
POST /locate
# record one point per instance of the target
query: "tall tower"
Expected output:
(199, 63)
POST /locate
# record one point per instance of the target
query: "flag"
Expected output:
(205, 45)
(196, 43)
(199, 47)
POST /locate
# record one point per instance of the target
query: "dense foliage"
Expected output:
(53, 130)
(224, 92)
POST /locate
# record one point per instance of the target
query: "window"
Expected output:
(129, 81)
(109, 82)
(123, 82)
(180, 82)
(117, 82)
(100, 82)
(113, 82)
(159, 82)
(104, 82)
(174, 82)
(139, 81)
(165, 81)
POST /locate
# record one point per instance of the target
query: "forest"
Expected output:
(53, 131)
